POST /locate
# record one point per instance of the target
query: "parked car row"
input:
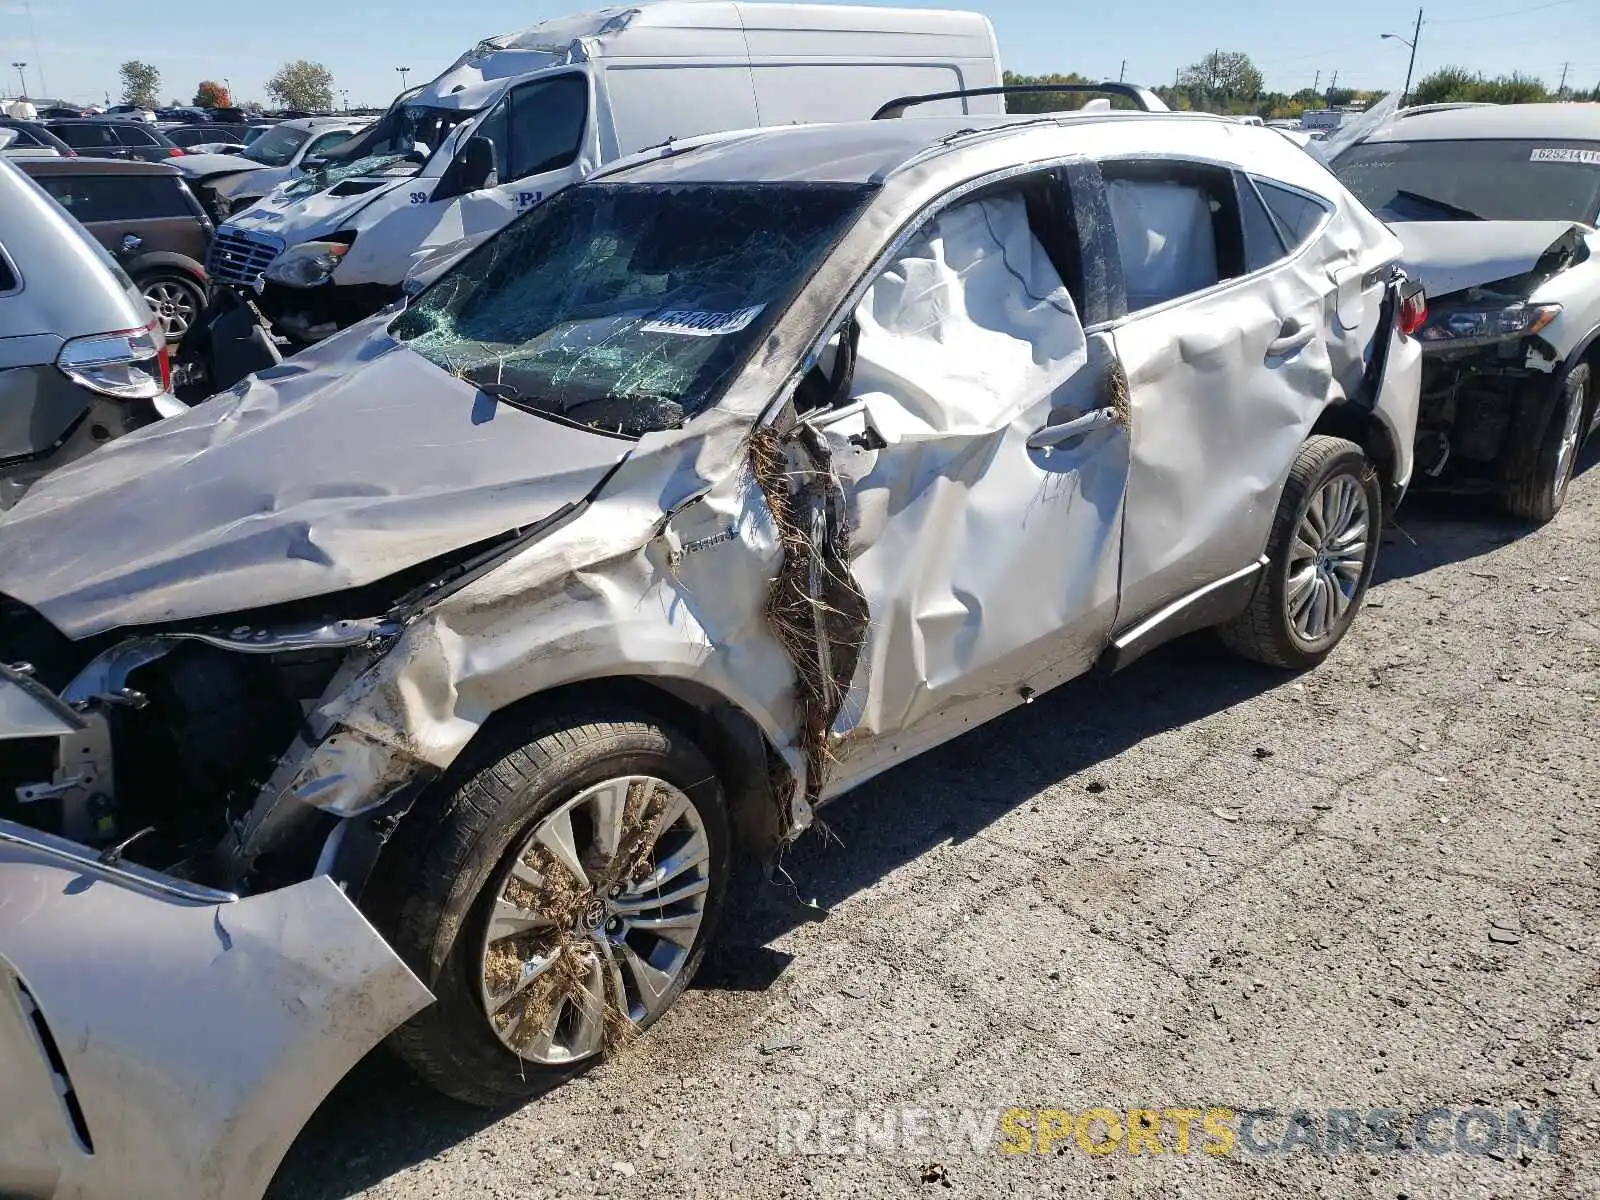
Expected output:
(451, 663)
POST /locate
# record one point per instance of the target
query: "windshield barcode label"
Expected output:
(693, 323)
(1566, 154)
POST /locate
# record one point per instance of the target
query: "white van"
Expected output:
(523, 115)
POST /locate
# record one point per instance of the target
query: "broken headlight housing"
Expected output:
(310, 264)
(1483, 325)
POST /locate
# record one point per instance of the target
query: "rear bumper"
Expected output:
(161, 1039)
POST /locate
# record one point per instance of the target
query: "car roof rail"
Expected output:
(1444, 106)
(1143, 97)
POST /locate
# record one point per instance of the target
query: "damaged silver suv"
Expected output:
(699, 496)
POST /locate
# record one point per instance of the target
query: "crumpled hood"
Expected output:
(305, 218)
(203, 166)
(1450, 256)
(348, 464)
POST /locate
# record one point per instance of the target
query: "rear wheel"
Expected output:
(1322, 551)
(557, 901)
(176, 299)
(1539, 495)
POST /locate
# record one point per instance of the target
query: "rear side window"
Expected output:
(24, 137)
(8, 277)
(132, 135)
(1297, 214)
(93, 198)
(1262, 244)
(85, 137)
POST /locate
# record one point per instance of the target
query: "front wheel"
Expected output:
(1322, 551)
(1539, 494)
(557, 896)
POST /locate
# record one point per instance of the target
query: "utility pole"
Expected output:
(1416, 35)
(1317, 82)
(404, 71)
(1561, 87)
(1123, 73)
(1333, 86)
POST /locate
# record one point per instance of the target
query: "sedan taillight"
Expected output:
(131, 364)
(175, 152)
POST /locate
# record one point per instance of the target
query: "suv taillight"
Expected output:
(131, 364)
(1413, 311)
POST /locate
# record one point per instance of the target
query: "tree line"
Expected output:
(299, 84)
(1226, 81)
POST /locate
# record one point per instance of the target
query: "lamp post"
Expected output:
(404, 71)
(21, 76)
(1410, 42)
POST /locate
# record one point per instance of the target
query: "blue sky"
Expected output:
(81, 42)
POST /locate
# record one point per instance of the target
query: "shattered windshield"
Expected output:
(407, 130)
(407, 133)
(1491, 180)
(627, 307)
(276, 147)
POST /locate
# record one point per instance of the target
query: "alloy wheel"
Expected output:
(1571, 435)
(1327, 558)
(173, 305)
(595, 920)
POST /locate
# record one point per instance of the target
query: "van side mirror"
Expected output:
(473, 169)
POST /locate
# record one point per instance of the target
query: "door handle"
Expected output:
(1053, 436)
(1292, 338)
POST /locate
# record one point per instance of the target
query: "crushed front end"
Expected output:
(1494, 361)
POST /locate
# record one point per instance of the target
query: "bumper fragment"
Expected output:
(158, 1039)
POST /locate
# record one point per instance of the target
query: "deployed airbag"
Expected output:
(968, 325)
(1165, 237)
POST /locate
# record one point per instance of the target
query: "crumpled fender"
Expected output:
(206, 1033)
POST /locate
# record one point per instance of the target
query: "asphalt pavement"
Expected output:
(1197, 885)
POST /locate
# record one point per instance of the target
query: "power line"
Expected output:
(1496, 16)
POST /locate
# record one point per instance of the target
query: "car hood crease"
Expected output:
(309, 480)
(1450, 256)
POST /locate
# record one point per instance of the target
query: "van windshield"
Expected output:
(628, 307)
(406, 129)
(406, 133)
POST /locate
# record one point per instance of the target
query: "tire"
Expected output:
(176, 299)
(451, 865)
(1279, 627)
(1539, 495)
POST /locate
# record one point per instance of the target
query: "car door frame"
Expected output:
(1080, 190)
(1153, 620)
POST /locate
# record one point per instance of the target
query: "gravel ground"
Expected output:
(1194, 884)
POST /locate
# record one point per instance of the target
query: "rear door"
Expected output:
(1225, 347)
(983, 474)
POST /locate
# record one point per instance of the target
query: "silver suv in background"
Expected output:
(82, 360)
(1497, 206)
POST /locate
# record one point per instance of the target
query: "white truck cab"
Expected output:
(524, 115)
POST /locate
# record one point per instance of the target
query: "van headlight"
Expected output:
(309, 264)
